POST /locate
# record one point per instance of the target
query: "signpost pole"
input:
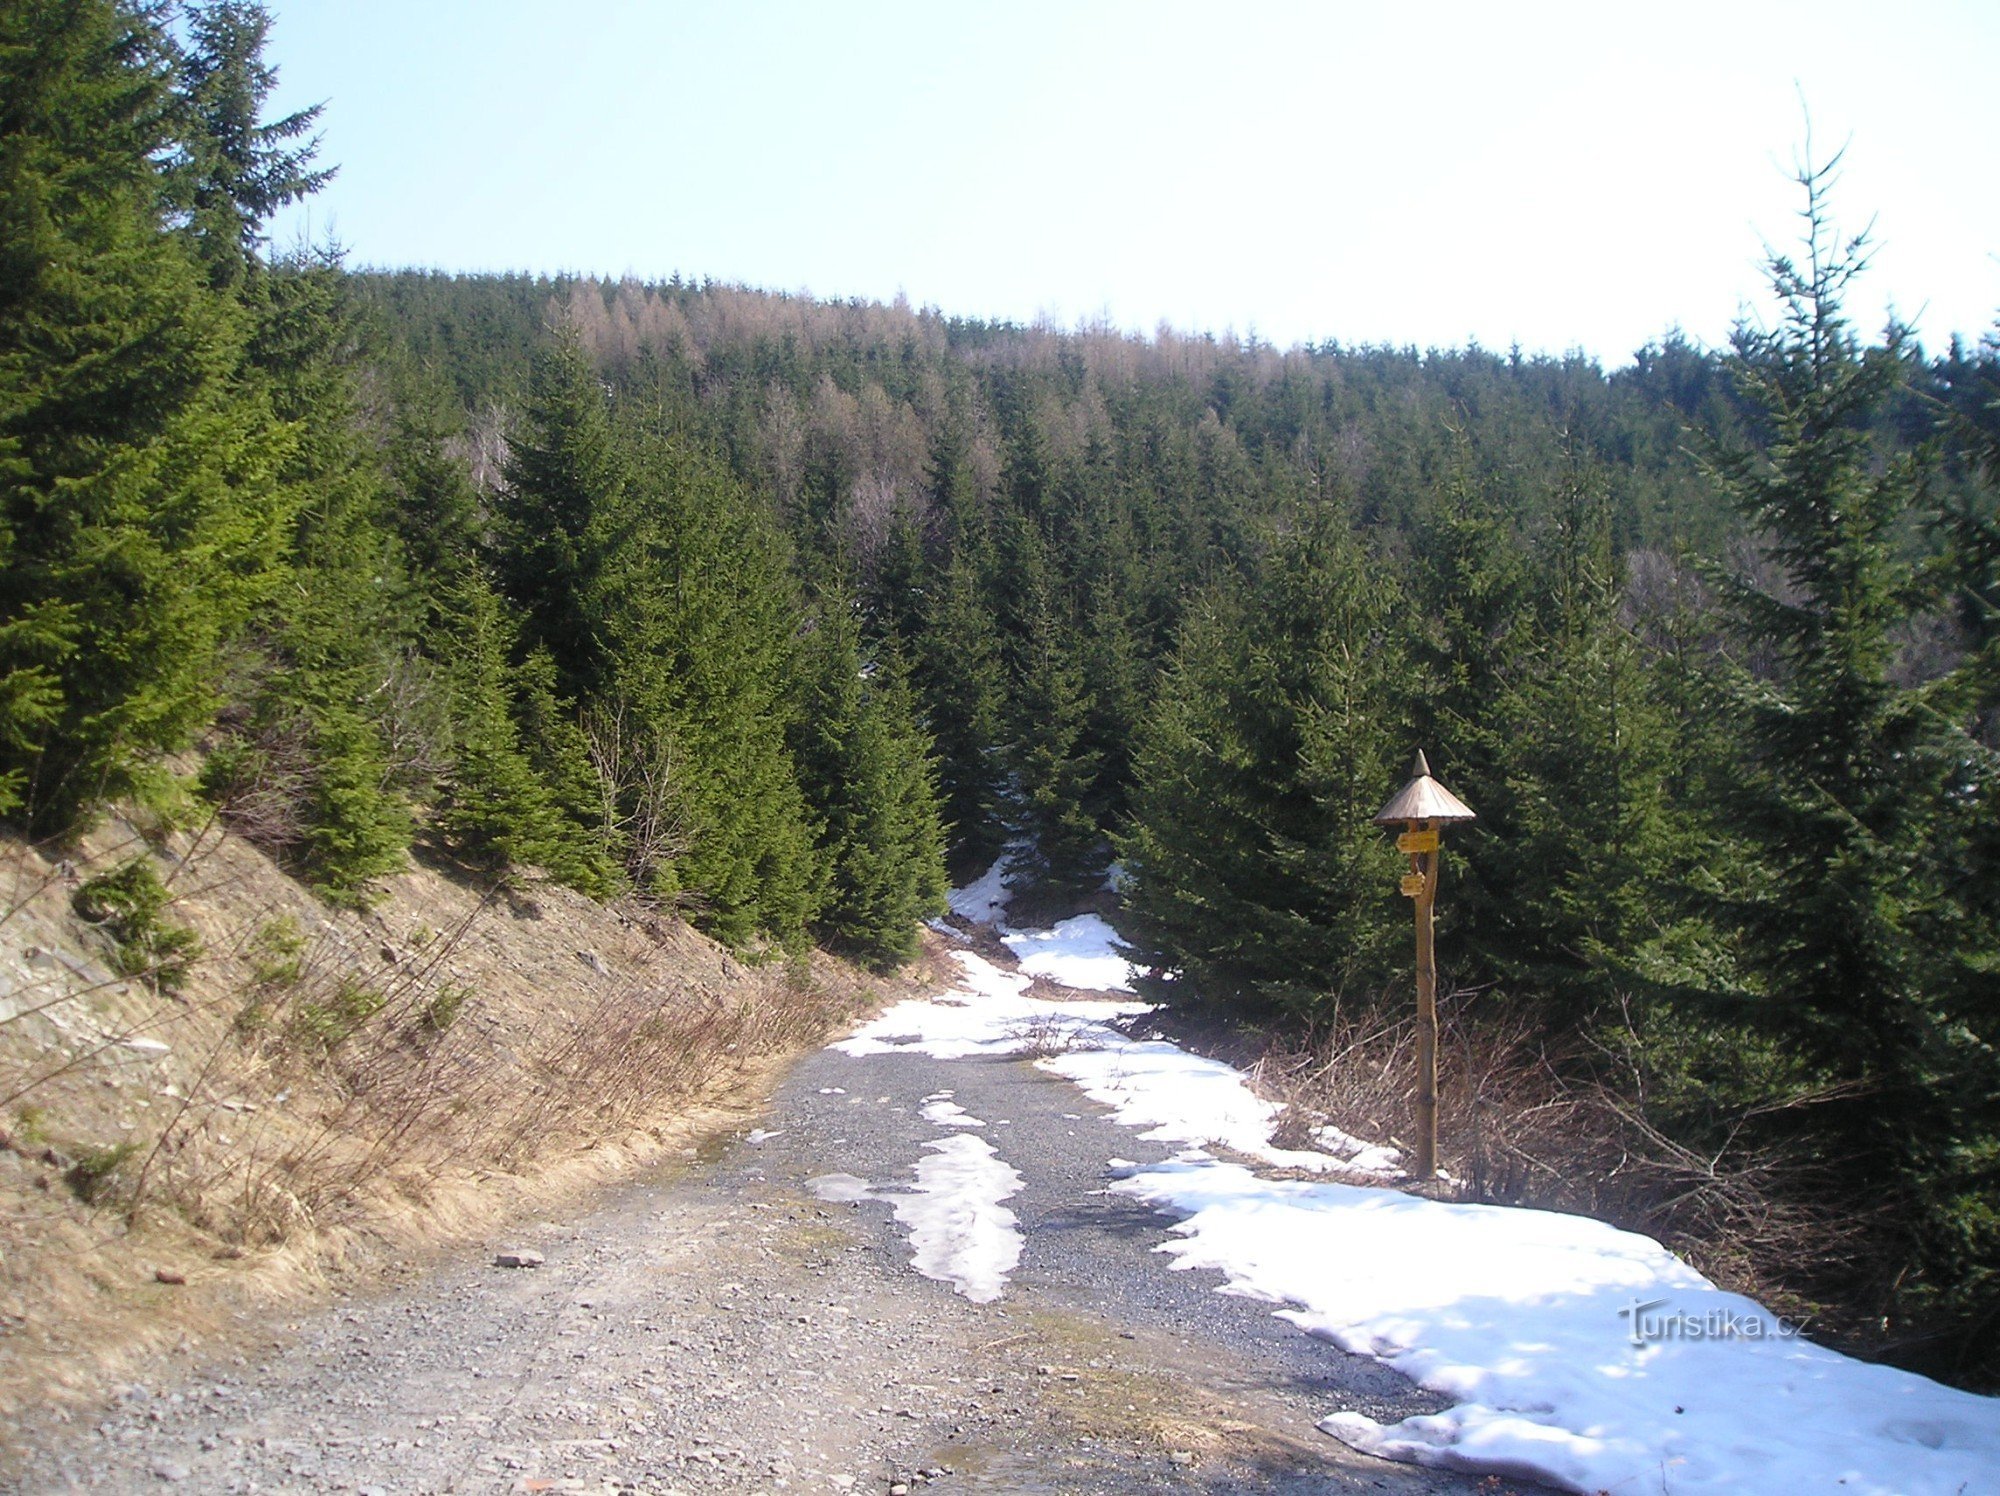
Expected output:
(1427, 1018)
(1421, 807)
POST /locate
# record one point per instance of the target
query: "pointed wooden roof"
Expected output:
(1423, 799)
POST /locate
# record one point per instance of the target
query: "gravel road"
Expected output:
(720, 1328)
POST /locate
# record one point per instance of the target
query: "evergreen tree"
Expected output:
(1062, 852)
(694, 588)
(1254, 872)
(1467, 633)
(565, 480)
(140, 516)
(233, 168)
(1583, 749)
(866, 771)
(495, 806)
(961, 689)
(1854, 796)
(340, 709)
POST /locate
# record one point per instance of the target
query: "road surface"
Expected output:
(724, 1326)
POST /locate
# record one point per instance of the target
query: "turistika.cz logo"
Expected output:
(1649, 1322)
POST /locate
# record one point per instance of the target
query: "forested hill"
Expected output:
(1708, 640)
(753, 606)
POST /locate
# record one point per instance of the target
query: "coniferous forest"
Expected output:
(770, 609)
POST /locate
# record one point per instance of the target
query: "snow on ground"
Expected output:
(1580, 1355)
(959, 1231)
(984, 900)
(987, 1014)
(1179, 1097)
(1584, 1356)
(1080, 952)
(962, 1234)
(1175, 1096)
(945, 1112)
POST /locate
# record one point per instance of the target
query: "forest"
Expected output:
(780, 612)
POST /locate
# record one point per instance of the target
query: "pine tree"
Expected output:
(866, 771)
(1852, 795)
(565, 477)
(1254, 872)
(140, 516)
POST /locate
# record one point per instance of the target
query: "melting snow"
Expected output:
(962, 1234)
(1080, 952)
(945, 1112)
(1579, 1355)
(1528, 1318)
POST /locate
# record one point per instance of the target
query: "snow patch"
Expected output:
(1079, 952)
(944, 1112)
(840, 1189)
(962, 1234)
(1175, 1096)
(1527, 1317)
(984, 900)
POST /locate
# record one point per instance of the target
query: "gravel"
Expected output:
(717, 1328)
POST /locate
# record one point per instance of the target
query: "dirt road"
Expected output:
(728, 1326)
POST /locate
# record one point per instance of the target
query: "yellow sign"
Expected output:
(1413, 885)
(1418, 841)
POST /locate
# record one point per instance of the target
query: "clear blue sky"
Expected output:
(1565, 176)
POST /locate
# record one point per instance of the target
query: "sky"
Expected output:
(1563, 177)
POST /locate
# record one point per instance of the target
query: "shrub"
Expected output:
(126, 903)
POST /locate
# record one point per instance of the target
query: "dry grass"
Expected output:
(1522, 1123)
(331, 1087)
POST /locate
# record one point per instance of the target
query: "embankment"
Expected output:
(194, 1137)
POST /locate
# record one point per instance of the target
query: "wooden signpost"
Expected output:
(1421, 806)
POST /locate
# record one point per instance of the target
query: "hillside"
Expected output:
(324, 1097)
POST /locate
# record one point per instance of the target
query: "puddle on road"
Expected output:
(715, 1147)
(994, 1469)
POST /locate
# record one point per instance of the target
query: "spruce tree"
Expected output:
(565, 480)
(233, 168)
(495, 806)
(961, 691)
(865, 767)
(694, 595)
(1856, 796)
(1062, 854)
(340, 707)
(141, 520)
(1253, 871)
(1583, 752)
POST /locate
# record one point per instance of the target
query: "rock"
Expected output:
(1181, 1457)
(518, 1259)
(169, 1275)
(170, 1470)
